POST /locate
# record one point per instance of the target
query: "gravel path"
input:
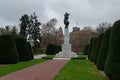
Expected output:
(39, 56)
(2, 65)
(44, 71)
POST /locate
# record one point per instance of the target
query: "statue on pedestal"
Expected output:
(66, 47)
(66, 17)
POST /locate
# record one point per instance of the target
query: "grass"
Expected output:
(14, 67)
(79, 70)
(80, 57)
(48, 57)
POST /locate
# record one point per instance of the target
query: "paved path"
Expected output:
(43, 71)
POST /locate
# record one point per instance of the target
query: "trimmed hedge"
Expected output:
(30, 50)
(93, 48)
(86, 49)
(112, 64)
(97, 48)
(8, 51)
(52, 49)
(23, 50)
(103, 50)
(90, 48)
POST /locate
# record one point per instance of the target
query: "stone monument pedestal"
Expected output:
(66, 47)
(66, 52)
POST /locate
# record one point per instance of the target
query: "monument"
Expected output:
(66, 47)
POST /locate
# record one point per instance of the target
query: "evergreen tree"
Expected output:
(29, 29)
(34, 31)
(24, 25)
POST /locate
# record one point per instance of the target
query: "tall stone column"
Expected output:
(66, 37)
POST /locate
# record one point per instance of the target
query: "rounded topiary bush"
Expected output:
(90, 48)
(97, 48)
(8, 51)
(103, 50)
(52, 49)
(22, 47)
(57, 48)
(112, 64)
(86, 49)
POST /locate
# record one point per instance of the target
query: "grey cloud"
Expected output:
(83, 12)
(12, 10)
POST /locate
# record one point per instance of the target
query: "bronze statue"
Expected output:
(66, 22)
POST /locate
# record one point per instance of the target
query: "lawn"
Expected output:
(80, 57)
(14, 67)
(48, 57)
(79, 70)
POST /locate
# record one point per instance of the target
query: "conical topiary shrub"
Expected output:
(93, 48)
(103, 50)
(112, 65)
(97, 48)
(90, 48)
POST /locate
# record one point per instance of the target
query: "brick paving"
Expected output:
(44, 71)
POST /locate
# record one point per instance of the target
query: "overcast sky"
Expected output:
(83, 12)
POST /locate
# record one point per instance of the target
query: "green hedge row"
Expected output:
(104, 51)
(52, 49)
(13, 50)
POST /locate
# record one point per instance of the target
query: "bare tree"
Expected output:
(79, 38)
(48, 32)
(49, 27)
(102, 27)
